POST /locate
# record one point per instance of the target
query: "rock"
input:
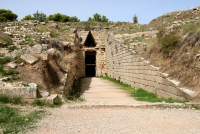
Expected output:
(2, 44)
(8, 33)
(118, 36)
(52, 51)
(44, 46)
(53, 26)
(33, 85)
(36, 49)
(51, 99)
(30, 59)
(45, 55)
(65, 43)
(44, 94)
(11, 65)
(5, 79)
(188, 94)
(43, 23)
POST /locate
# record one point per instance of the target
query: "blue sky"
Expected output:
(114, 10)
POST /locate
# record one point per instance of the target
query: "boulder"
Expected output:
(51, 99)
(30, 59)
(36, 49)
(11, 65)
(45, 56)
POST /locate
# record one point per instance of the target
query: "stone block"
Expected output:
(159, 79)
(36, 49)
(30, 59)
(151, 89)
(188, 94)
(51, 99)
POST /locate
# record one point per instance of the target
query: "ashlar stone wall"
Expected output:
(123, 63)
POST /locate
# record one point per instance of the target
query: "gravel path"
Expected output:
(109, 110)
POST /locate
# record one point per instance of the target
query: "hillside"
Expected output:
(45, 53)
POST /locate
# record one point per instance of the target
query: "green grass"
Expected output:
(190, 27)
(142, 95)
(38, 102)
(75, 93)
(4, 60)
(9, 99)
(120, 84)
(196, 107)
(42, 103)
(12, 121)
(8, 72)
(54, 34)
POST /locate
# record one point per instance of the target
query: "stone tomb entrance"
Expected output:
(90, 56)
(90, 64)
(91, 53)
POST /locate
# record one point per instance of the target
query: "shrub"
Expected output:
(4, 60)
(169, 42)
(54, 34)
(98, 18)
(7, 15)
(191, 27)
(8, 72)
(58, 101)
(38, 102)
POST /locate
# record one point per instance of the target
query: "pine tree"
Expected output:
(135, 19)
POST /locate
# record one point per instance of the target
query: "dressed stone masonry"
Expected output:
(124, 64)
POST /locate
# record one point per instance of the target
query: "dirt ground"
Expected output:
(107, 109)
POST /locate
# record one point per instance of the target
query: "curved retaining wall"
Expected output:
(124, 64)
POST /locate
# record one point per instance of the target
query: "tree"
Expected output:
(97, 17)
(58, 17)
(62, 18)
(39, 16)
(28, 17)
(74, 19)
(7, 15)
(135, 19)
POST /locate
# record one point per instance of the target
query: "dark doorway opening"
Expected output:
(90, 42)
(90, 64)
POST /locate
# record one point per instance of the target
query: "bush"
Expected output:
(191, 27)
(5, 60)
(7, 15)
(97, 17)
(28, 17)
(62, 18)
(58, 101)
(169, 42)
(54, 34)
(8, 72)
(40, 16)
(38, 102)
